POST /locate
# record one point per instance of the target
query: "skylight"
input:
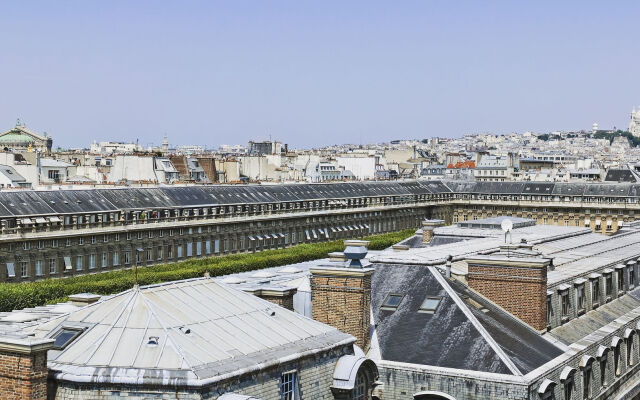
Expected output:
(392, 301)
(430, 304)
(65, 336)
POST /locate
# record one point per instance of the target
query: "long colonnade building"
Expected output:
(67, 232)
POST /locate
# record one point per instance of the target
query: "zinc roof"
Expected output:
(189, 332)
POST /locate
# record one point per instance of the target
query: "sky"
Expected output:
(315, 73)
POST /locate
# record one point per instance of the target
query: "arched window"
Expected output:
(360, 389)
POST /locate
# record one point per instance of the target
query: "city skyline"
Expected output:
(314, 75)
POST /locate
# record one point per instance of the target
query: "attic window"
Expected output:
(392, 301)
(153, 340)
(430, 305)
(65, 336)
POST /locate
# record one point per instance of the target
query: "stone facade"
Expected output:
(314, 381)
(341, 297)
(518, 285)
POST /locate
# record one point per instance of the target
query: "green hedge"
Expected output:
(31, 294)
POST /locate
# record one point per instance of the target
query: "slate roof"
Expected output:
(620, 175)
(465, 332)
(204, 331)
(115, 199)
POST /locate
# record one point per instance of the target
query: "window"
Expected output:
(24, 269)
(128, 235)
(64, 336)
(580, 297)
(179, 251)
(41, 244)
(620, 276)
(568, 388)
(630, 350)
(392, 301)
(38, 267)
(608, 284)
(549, 310)
(429, 305)
(79, 263)
(116, 237)
(586, 381)
(105, 238)
(616, 359)
(360, 388)
(160, 251)
(632, 277)
(26, 246)
(52, 266)
(288, 386)
(603, 371)
(80, 240)
(149, 254)
(68, 242)
(54, 243)
(150, 234)
(139, 235)
(566, 304)
(103, 262)
(595, 292)
(115, 259)
(93, 239)
(92, 261)
(127, 257)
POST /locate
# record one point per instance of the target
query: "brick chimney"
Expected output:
(23, 368)
(282, 296)
(517, 284)
(428, 226)
(341, 295)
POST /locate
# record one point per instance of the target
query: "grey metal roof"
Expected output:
(586, 324)
(204, 332)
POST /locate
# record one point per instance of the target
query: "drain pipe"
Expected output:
(448, 266)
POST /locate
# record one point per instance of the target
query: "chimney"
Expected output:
(428, 226)
(517, 284)
(282, 296)
(23, 370)
(341, 294)
(84, 299)
(448, 266)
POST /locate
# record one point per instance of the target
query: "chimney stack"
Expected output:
(23, 370)
(517, 284)
(428, 226)
(341, 295)
(448, 266)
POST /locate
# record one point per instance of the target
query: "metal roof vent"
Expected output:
(153, 341)
(271, 312)
(355, 256)
(185, 330)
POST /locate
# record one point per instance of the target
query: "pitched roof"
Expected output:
(465, 331)
(192, 332)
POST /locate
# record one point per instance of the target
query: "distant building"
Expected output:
(634, 125)
(267, 147)
(114, 147)
(10, 178)
(19, 138)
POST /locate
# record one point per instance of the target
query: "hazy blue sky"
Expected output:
(315, 73)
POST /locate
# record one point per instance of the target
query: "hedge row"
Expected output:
(31, 294)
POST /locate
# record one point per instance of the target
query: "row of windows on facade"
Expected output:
(568, 376)
(596, 291)
(93, 239)
(545, 209)
(519, 197)
(132, 216)
(545, 221)
(207, 247)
